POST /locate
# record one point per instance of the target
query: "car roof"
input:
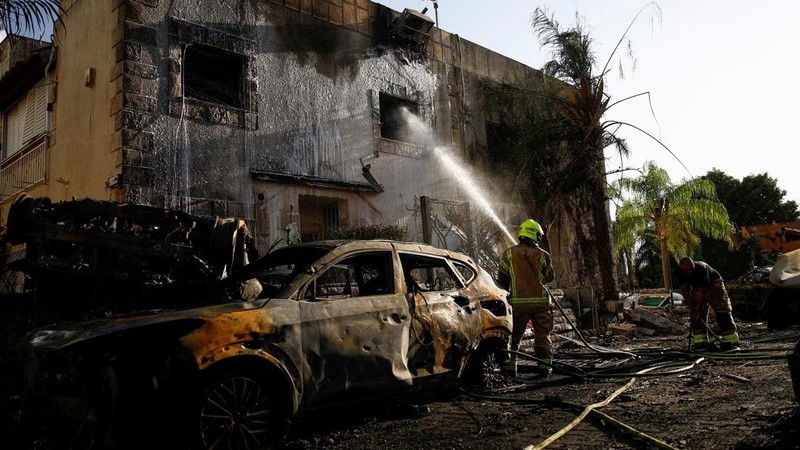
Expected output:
(407, 246)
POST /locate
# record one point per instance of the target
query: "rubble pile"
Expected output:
(648, 313)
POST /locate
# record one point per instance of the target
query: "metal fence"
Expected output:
(23, 171)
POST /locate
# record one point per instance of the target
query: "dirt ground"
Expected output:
(739, 400)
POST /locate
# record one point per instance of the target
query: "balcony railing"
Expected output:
(23, 170)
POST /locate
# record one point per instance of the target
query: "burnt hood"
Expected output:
(62, 335)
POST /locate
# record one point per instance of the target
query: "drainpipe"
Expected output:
(49, 85)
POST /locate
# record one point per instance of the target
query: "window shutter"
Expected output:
(30, 115)
(26, 120)
(36, 114)
(16, 121)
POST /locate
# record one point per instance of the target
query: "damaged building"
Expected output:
(300, 117)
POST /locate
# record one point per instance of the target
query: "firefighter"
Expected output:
(702, 286)
(524, 270)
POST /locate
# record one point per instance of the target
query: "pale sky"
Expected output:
(721, 75)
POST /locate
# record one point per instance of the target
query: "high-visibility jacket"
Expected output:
(524, 270)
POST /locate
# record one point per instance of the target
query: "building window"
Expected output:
(330, 219)
(319, 216)
(24, 121)
(214, 75)
(400, 120)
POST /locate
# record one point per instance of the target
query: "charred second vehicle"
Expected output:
(302, 328)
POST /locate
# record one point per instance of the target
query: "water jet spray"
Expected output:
(461, 176)
(464, 179)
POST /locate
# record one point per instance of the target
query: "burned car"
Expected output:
(305, 327)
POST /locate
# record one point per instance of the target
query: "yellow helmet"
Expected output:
(531, 229)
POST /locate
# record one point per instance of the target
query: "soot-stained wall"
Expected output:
(241, 107)
(309, 98)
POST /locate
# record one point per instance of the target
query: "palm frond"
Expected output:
(26, 16)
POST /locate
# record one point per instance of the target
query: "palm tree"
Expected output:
(27, 16)
(554, 137)
(678, 213)
(580, 178)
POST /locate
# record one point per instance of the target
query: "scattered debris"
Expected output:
(736, 377)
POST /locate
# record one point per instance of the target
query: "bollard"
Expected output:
(794, 371)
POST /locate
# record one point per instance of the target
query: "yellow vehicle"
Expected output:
(769, 237)
(782, 303)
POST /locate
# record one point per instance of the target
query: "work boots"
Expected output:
(703, 347)
(544, 370)
(730, 341)
(699, 342)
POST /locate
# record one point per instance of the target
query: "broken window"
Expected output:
(214, 75)
(425, 273)
(357, 276)
(466, 271)
(400, 120)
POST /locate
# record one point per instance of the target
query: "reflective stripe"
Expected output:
(699, 338)
(542, 263)
(511, 274)
(733, 338)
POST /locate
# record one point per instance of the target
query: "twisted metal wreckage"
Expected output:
(162, 322)
(178, 315)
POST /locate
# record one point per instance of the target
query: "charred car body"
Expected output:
(302, 328)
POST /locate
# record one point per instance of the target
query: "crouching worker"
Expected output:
(524, 270)
(702, 286)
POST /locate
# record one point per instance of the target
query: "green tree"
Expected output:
(756, 199)
(549, 134)
(678, 214)
(753, 200)
(27, 16)
(643, 262)
(549, 137)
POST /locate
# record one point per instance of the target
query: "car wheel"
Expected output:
(240, 411)
(483, 370)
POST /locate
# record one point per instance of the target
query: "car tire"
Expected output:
(240, 410)
(483, 369)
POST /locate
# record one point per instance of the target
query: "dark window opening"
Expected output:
(213, 75)
(330, 219)
(400, 120)
(495, 137)
(320, 216)
(499, 145)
